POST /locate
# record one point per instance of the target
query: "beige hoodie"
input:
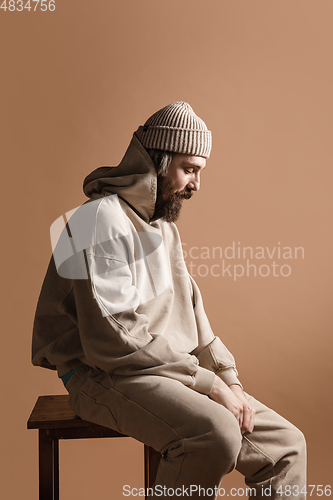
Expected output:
(117, 294)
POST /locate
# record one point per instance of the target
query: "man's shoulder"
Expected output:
(111, 221)
(98, 220)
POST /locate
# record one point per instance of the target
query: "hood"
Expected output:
(134, 180)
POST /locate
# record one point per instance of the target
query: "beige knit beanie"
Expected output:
(176, 128)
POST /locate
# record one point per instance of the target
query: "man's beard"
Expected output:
(169, 204)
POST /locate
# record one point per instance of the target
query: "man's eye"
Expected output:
(188, 171)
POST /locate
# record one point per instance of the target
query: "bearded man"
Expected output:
(123, 323)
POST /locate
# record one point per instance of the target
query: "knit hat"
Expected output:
(176, 128)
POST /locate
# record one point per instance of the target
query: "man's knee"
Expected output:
(225, 440)
(214, 436)
(298, 441)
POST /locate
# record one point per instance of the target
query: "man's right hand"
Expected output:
(223, 395)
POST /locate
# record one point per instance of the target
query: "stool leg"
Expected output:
(56, 468)
(48, 467)
(152, 461)
(146, 460)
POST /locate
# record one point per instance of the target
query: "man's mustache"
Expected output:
(185, 194)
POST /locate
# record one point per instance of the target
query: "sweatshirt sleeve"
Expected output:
(211, 352)
(116, 338)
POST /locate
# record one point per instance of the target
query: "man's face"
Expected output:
(182, 178)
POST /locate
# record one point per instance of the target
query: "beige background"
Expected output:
(75, 84)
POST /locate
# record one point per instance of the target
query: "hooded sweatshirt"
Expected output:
(117, 295)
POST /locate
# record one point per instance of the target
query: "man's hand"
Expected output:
(248, 411)
(233, 398)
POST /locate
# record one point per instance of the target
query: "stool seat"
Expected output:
(55, 420)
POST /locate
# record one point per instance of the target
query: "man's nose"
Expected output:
(194, 183)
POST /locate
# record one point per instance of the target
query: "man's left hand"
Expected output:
(248, 411)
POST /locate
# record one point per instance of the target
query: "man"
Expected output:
(123, 323)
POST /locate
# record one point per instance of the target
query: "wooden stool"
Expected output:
(55, 420)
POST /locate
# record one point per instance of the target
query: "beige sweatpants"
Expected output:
(199, 439)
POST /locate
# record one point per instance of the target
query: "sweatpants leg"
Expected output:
(199, 439)
(273, 456)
